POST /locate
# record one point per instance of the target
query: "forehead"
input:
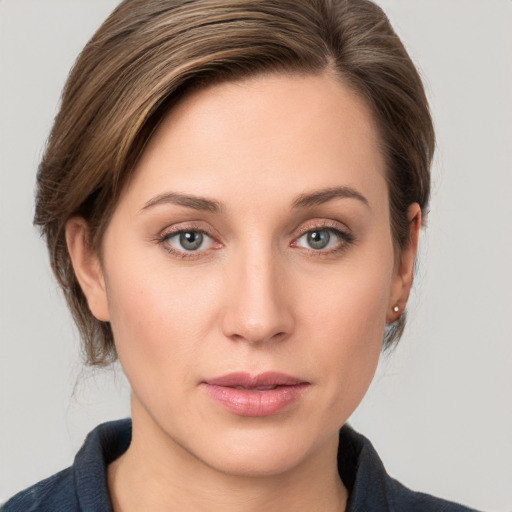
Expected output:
(276, 134)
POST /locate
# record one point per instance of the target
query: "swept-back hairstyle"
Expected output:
(148, 54)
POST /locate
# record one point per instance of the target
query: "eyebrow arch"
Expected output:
(324, 195)
(189, 201)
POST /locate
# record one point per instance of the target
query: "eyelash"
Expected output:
(163, 240)
(345, 239)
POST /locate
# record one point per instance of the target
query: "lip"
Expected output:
(264, 394)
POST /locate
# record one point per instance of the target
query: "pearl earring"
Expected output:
(396, 309)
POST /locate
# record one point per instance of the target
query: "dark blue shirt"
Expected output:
(83, 486)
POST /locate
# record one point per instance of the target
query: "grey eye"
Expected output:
(191, 240)
(318, 239)
(188, 242)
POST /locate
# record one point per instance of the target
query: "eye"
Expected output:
(190, 240)
(323, 239)
(187, 241)
(318, 239)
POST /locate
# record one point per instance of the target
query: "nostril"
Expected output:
(256, 336)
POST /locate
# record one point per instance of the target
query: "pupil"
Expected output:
(191, 240)
(318, 239)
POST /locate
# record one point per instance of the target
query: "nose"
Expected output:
(259, 304)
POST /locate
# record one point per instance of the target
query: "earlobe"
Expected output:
(404, 269)
(87, 267)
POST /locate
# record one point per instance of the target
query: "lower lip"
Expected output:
(247, 402)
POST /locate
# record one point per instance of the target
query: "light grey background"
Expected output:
(440, 409)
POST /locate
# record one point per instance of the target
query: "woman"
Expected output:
(232, 196)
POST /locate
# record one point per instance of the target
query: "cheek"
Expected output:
(350, 300)
(345, 313)
(351, 319)
(159, 318)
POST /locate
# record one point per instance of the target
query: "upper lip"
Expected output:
(248, 381)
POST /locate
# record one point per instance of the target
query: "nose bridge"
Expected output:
(257, 307)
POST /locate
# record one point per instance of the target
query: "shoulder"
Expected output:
(371, 488)
(403, 499)
(83, 486)
(53, 494)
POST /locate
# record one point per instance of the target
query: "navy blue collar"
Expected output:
(103, 445)
(370, 487)
(83, 486)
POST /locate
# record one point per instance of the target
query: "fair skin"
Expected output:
(288, 266)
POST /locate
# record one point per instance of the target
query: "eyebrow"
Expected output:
(189, 201)
(327, 194)
(309, 200)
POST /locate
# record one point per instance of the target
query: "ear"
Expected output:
(404, 267)
(87, 267)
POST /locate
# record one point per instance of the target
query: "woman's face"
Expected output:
(248, 273)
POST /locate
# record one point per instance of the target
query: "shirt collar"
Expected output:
(359, 467)
(363, 473)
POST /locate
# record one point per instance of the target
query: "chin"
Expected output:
(262, 452)
(256, 461)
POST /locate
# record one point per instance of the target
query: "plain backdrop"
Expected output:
(440, 409)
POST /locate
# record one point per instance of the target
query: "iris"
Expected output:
(318, 239)
(191, 240)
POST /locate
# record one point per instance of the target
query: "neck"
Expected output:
(156, 473)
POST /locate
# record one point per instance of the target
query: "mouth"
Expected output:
(264, 394)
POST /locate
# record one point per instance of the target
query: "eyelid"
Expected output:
(179, 227)
(346, 238)
(183, 227)
(323, 224)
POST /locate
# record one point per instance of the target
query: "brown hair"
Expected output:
(147, 54)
